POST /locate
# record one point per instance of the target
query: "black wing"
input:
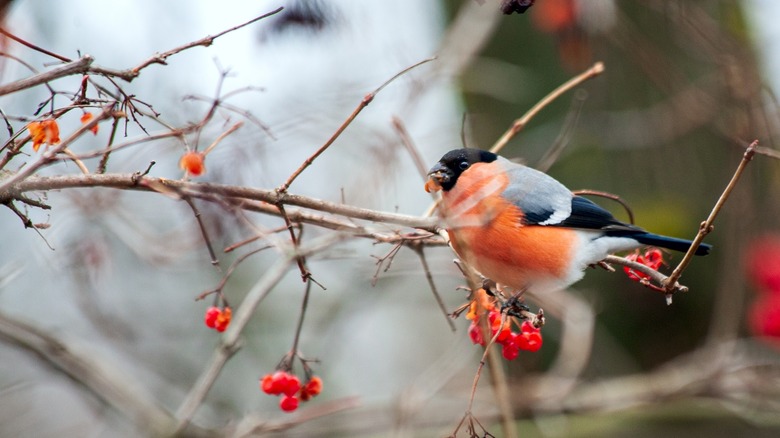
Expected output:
(589, 215)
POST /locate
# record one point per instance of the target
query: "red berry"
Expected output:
(505, 334)
(533, 341)
(520, 341)
(212, 313)
(527, 327)
(288, 403)
(475, 333)
(654, 258)
(292, 386)
(510, 351)
(278, 383)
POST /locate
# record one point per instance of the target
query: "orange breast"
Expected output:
(487, 231)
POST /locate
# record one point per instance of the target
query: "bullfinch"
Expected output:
(522, 228)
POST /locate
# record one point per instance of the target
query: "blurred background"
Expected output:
(687, 86)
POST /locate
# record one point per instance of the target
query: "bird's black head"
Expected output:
(446, 172)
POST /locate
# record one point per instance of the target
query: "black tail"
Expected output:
(672, 243)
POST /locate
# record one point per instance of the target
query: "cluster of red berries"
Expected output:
(529, 338)
(763, 268)
(653, 258)
(289, 386)
(217, 318)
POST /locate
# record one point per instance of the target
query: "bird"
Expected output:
(522, 228)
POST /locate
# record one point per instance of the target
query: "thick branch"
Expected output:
(79, 66)
(206, 190)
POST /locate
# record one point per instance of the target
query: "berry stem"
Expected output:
(299, 328)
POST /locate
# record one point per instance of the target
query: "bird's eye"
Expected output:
(463, 165)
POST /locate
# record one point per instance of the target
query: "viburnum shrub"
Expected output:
(289, 387)
(529, 338)
(653, 258)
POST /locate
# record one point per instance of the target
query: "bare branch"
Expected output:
(707, 225)
(98, 378)
(79, 66)
(32, 46)
(654, 275)
(368, 98)
(421, 254)
(204, 190)
(161, 58)
(520, 123)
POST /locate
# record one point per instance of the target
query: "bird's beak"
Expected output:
(438, 175)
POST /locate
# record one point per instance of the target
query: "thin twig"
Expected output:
(101, 167)
(229, 273)
(769, 152)
(33, 46)
(520, 123)
(367, 99)
(234, 246)
(707, 226)
(301, 315)
(406, 140)
(572, 117)
(179, 133)
(418, 249)
(161, 58)
(75, 159)
(203, 232)
(301, 261)
(656, 276)
(222, 137)
(387, 258)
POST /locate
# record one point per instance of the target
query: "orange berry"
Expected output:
(85, 118)
(311, 389)
(223, 319)
(314, 385)
(45, 131)
(193, 163)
